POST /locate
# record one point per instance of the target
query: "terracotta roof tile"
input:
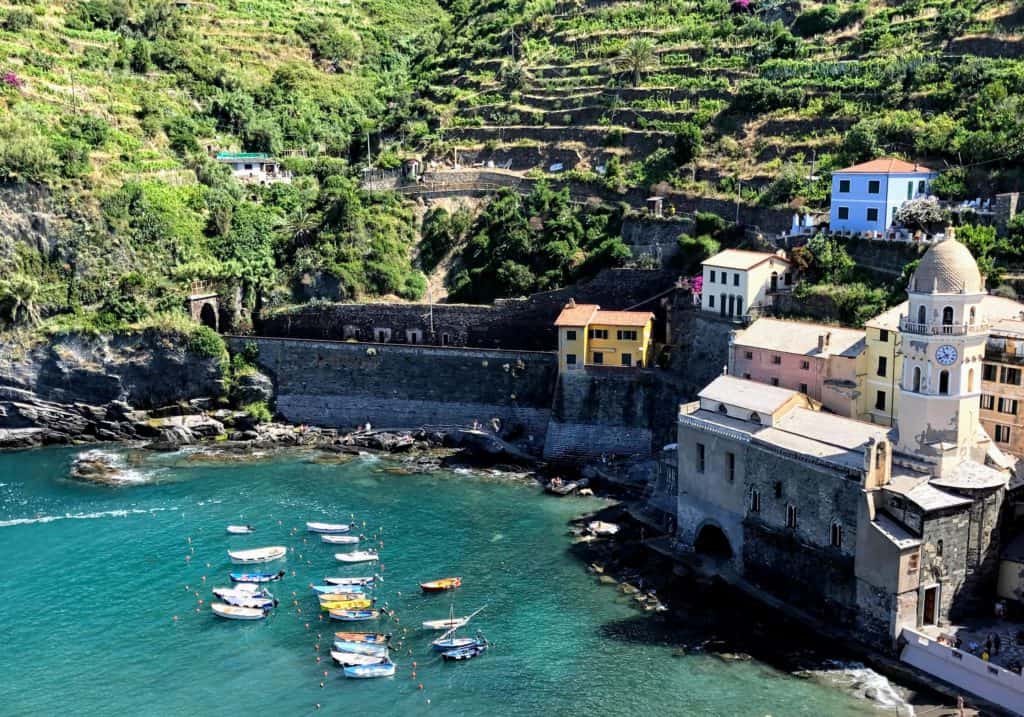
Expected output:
(886, 165)
(622, 318)
(578, 315)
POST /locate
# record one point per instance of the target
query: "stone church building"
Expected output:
(874, 527)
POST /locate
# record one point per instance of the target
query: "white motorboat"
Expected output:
(262, 603)
(241, 529)
(257, 555)
(448, 624)
(348, 659)
(345, 589)
(236, 612)
(357, 556)
(352, 581)
(340, 539)
(328, 527)
(381, 669)
(242, 591)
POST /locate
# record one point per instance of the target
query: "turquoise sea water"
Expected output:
(95, 577)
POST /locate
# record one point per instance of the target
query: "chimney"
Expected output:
(823, 341)
(571, 304)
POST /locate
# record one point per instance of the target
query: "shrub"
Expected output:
(258, 411)
(18, 20)
(206, 343)
(924, 213)
(688, 143)
(817, 21)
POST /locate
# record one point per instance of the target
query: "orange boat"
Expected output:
(439, 586)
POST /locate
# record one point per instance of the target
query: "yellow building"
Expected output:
(588, 336)
(878, 401)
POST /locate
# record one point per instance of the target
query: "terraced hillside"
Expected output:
(704, 99)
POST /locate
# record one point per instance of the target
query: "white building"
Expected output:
(738, 283)
(866, 197)
(254, 167)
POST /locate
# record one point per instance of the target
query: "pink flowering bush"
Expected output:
(12, 80)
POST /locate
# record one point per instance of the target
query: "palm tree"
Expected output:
(636, 58)
(19, 295)
(300, 226)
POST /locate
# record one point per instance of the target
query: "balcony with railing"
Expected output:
(912, 327)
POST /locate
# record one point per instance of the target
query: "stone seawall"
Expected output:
(343, 385)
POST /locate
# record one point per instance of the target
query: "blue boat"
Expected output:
(354, 615)
(465, 653)
(361, 648)
(381, 669)
(257, 577)
(338, 589)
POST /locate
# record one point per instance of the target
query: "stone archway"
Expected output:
(712, 542)
(208, 316)
(205, 309)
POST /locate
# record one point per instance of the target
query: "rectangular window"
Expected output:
(711, 276)
(1008, 405)
(1010, 375)
(755, 501)
(988, 401)
(626, 335)
(1002, 434)
(913, 562)
(730, 466)
(791, 516)
(735, 279)
(776, 359)
(711, 301)
(774, 381)
(844, 185)
(883, 365)
(570, 359)
(883, 336)
(598, 357)
(880, 400)
(599, 333)
(874, 186)
(789, 278)
(248, 166)
(872, 215)
(748, 355)
(570, 335)
(700, 457)
(746, 376)
(843, 212)
(910, 190)
(835, 535)
(778, 489)
(805, 365)
(627, 359)
(988, 372)
(921, 187)
(803, 388)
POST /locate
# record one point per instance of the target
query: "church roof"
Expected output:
(947, 268)
(971, 475)
(748, 395)
(895, 533)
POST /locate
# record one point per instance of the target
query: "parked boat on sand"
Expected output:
(438, 586)
(235, 612)
(257, 555)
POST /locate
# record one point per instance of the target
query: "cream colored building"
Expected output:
(1002, 388)
(737, 283)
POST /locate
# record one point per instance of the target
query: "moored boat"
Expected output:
(362, 604)
(338, 589)
(253, 601)
(443, 644)
(438, 586)
(354, 615)
(242, 590)
(347, 659)
(369, 580)
(341, 597)
(358, 556)
(236, 612)
(241, 529)
(465, 653)
(381, 669)
(361, 648)
(447, 624)
(257, 555)
(328, 527)
(257, 577)
(340, 539)
(372, 637)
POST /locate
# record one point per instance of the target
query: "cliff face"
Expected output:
(77, 387)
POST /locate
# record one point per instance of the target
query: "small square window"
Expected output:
(711, 276)
(627, 359)
(874, 186)
(776, 359)
(775, 381)
(843, 212)
(883, 336)
(872, 215)
(598, 357)
(988, 401)
(805, 365)
(1002, 434)
(570, 335)
(570, 359)
(735, 279)
(748, 355)
(844, 185)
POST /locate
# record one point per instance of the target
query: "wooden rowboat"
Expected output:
(340, 539)
(352, 581)
(373, 637)
(257, 555)
(338, 589)
(437, 586)
(358, 556)
(363, 604)
(341, 597)
(348, 659)
(354, 615)
(257, 577)
(328, 527)
(361, 648)
(234, 612)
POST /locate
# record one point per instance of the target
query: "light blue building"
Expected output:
(865, 197)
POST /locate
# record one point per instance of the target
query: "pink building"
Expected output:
(820, 361)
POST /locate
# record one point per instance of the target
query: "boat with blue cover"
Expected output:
(354, 615)
(371, 637)
(257, 577)
(465, 653)
(361, 648)
(339, 589)
(381, 669)
(367, 580)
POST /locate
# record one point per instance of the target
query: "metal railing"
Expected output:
(912, 327)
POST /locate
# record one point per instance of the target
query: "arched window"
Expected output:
(836, 534)
(917, 379)
(944, 383)
(947, 316)
(755, 418)
(970, 380)
(938, 548)
(973, 315)
(922, 315)
(722, 408)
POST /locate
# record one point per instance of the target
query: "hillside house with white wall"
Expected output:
(737, 283)
(865, 197)
(254, 167)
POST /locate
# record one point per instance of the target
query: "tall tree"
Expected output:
(636, 58)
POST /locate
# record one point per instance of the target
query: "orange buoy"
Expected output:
(421, 685)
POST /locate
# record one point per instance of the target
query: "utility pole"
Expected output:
(430, 298)
(739, 187)
(369, 151)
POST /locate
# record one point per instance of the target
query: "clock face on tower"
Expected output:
(945, 354)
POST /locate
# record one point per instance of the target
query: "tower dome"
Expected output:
(947, 268)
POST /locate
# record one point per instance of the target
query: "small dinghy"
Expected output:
(340, 539)
(358, 556)
(599, 527)
(371, 637)
(328, 527)
(260, 603)
(452, 623)
(257, 555)
(363, 604)
(338, 589)
(236, 612)
(354, 615)
(439, 586)
(241, 529)
(381, 669)
(348, 659)
(242, 590)
(341, 597)
(465, 653)
(351, 581)
(361, 648)
(257, 577)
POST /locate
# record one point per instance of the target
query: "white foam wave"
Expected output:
(124, 513)
(863, 682)
(117, 461)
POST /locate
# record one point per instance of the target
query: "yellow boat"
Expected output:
(363, 604)
(341, 597)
